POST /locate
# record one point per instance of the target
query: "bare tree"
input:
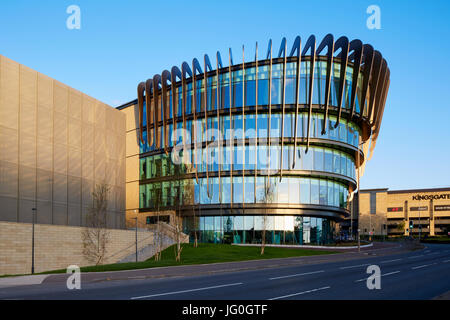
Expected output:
(95, 236)
(178, 201)
(269, 195)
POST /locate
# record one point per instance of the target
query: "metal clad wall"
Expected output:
(55, 144)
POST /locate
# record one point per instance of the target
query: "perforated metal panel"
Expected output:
(9, 93)
(27, 183)
(9, 209)
(27, 151)
(74, 190)
(60, 128)
(74, 168)
(59, 188)
(88, 109)
(74, 218)
(44, 185)
(45, 92)
(75, 104)
(59, 214)
(45, 124)
(25, 210)
(60, 98)
(9, 178)
(44, 212)
(87, 141)
(60, 158)
(88, 165)
(9, 145)
(44, 155)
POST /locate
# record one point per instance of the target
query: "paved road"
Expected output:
(420, 274)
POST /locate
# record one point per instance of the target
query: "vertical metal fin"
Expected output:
(256, 118)
(374, 82)
(230, 84)
(219, 103)
(296, 48)
(140, 94)
(368, 57)
(165, 76)
(341, 43)
(328, 42)
(150, 119)
(207, 65)
(185, 69)
(357, 47)
(195, 69)
(283, 102)
(157, 109)
(310, 44)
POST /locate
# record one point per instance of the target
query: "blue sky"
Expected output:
(121, 43)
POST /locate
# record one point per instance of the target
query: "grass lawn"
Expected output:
(205, 253)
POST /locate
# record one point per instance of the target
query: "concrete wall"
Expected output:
(57, 247)
(56, 144)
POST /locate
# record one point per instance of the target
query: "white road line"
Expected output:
(387, 261)
(445, 261)
(383, 275)
(300, 293)
(423, 266)
(360, 265)
(296, 275)
(416, 256)
(184, 291)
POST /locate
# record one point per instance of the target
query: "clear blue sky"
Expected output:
(124, 42)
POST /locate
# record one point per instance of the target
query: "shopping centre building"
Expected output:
(267, 143)
(271, 144)
(405, 212)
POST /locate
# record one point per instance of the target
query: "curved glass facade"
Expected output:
(249, 137)
(293, 230)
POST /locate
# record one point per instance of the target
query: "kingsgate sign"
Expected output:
(431, 197)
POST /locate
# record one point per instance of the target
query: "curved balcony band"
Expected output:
(374, 78)
(314, 108)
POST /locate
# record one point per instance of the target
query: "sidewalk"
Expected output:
(378, 249)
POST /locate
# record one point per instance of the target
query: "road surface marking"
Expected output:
(360, 265)
(184, 291)
(445, 261)
(296, 275)
(416, 256)
(423, 266)
(387, 261)
(299, 293)
(383, 275)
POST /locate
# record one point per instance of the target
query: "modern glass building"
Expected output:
(268, 145)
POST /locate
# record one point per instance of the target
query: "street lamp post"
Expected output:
(136, 237)
(33, 218)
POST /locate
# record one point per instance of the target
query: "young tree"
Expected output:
(95, 236)
(269, 195)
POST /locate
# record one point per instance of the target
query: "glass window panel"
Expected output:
(314, 191)
(249, 190)
(318, 159)
(323, 199)
(238, 192)
(294, 190)
(305, 190)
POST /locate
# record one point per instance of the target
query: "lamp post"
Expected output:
(136, 237)
(33, 218)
